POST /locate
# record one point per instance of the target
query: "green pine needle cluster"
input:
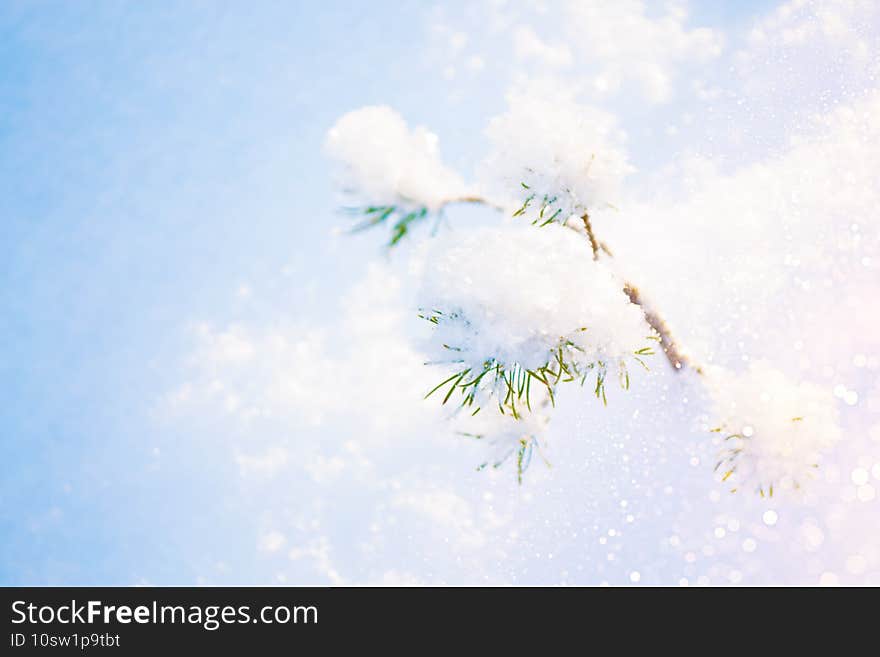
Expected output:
(547, 214)
(512, 383)
(400, 219)
(523, 450)
(728, 460)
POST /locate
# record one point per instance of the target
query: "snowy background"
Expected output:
(203, 381)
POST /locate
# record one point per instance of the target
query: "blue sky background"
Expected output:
(153, 157)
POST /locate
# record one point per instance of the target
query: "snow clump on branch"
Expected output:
(516, 311)
(773, 429)
(554, 156)
(386, 164)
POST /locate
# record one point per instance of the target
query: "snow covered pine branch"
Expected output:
(529, 304)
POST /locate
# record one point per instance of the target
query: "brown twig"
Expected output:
(673, 352)
(594, 243)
